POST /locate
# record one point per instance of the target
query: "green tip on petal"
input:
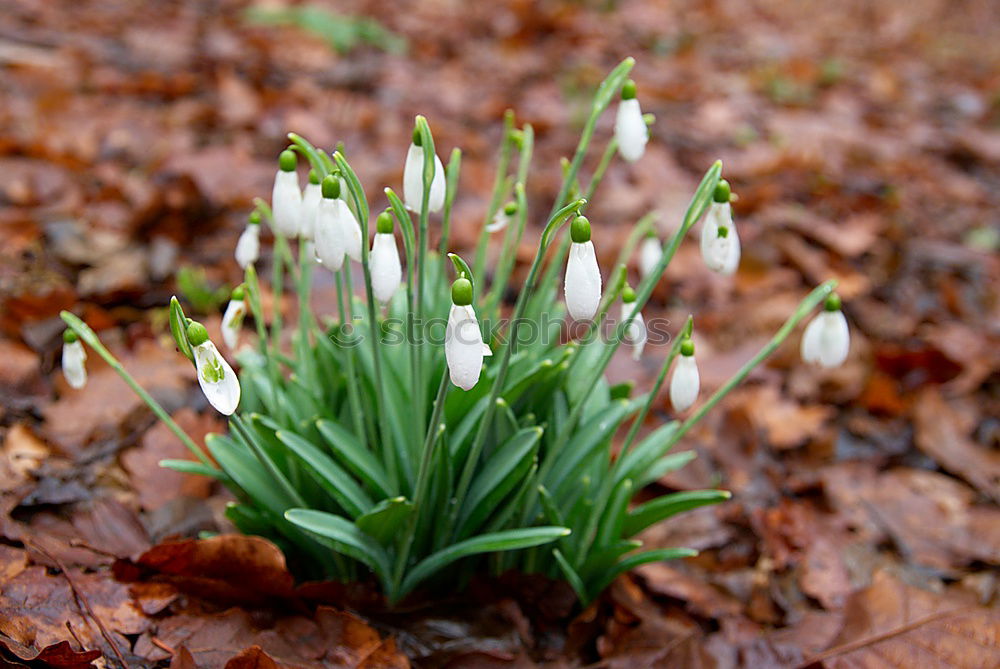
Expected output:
(331, 187)
(313, 177)
(723, 232)
(832, 302)
(510, 208)
(579, 230)
(628, 295)
(287, 161)
(687, 348)
(238, 292)
(461, 292)
(628, 90)
(69, 336)
(383, 224)
(196, 333)
(722, 191)
(254, 218)
(417, 140)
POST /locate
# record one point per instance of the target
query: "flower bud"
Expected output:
(685, 381)
(827, 339)
(74, 358)
(582, 286)
(286, 198)
(630, 127)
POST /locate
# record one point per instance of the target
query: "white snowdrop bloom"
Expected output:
(827, 338)
(635, 333)
(217, 379)
(387, 274)
(248, 245)
(720, 244)
(502, 218)
(650, 254)
(583, 276)
(310, 206)
(630, 128)
(464, 347)
(232, 319)
(413, 180)
(685, 381)
(286, 198)
(74, 359)
(350, 229)
(330, 241)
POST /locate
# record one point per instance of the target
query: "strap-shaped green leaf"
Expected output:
(353, 455)
(178, 328)
(638, 459)
(633, 561)
(345, 536)
(572, 577)
(385, 518)
(500, 473)
(589, 439)
(665, 465)
(507, 540)
(656, 510)
(609, 529)
(328, 474)
(192, 467)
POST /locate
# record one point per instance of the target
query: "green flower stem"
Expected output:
(451, 188)
(553, 225)
(500, 185)
(602, 167)
(253, 292)
(813, 300)
(344, 309)
(427, 144)
(420, 488)
(86, 334)
(307, 322)
(639, 230)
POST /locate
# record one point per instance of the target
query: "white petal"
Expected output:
(232, 321)
(286, 203)
(685, 383)
(413, 181)
(463, 347)
(500, 221)
(650, 253)
(310, 209)
(248, 246)
(350, 231)
(827, 339)
(583, 282)
(630, 130)
(635, 334)
(386, 271)
(73, 364)
(223, 393)
(330, 235)
(721, 254)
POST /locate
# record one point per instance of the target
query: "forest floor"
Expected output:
(863, 140)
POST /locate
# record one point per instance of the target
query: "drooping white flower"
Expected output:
(720, 244)
(502, 218)
(413, 180)
(232, 319)
(74, 359)
(248, 245)
(310, 206)
(217, 379)
(635, 333)
(630, 128)
(387, 274)
(351, 231)
(331, 243)
(650, 253)
(685, 381)
(286, 198)
(464, 348)
(827, 338)
(583, 277)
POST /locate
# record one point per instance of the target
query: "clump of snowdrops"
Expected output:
(400, 439)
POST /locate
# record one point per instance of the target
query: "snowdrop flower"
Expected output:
(386, 271)
(630, 128)
(635, 333)
(583, 276)
(720, 245)
(248, 245)
(650, 253)
(464, 347)
(827, 337)
(232, 319)
(286, 198)
(310, 206)
(217, 379)
(74, 358)
(502, 218)
(413, 179)
(331, 244)
(685, 382)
